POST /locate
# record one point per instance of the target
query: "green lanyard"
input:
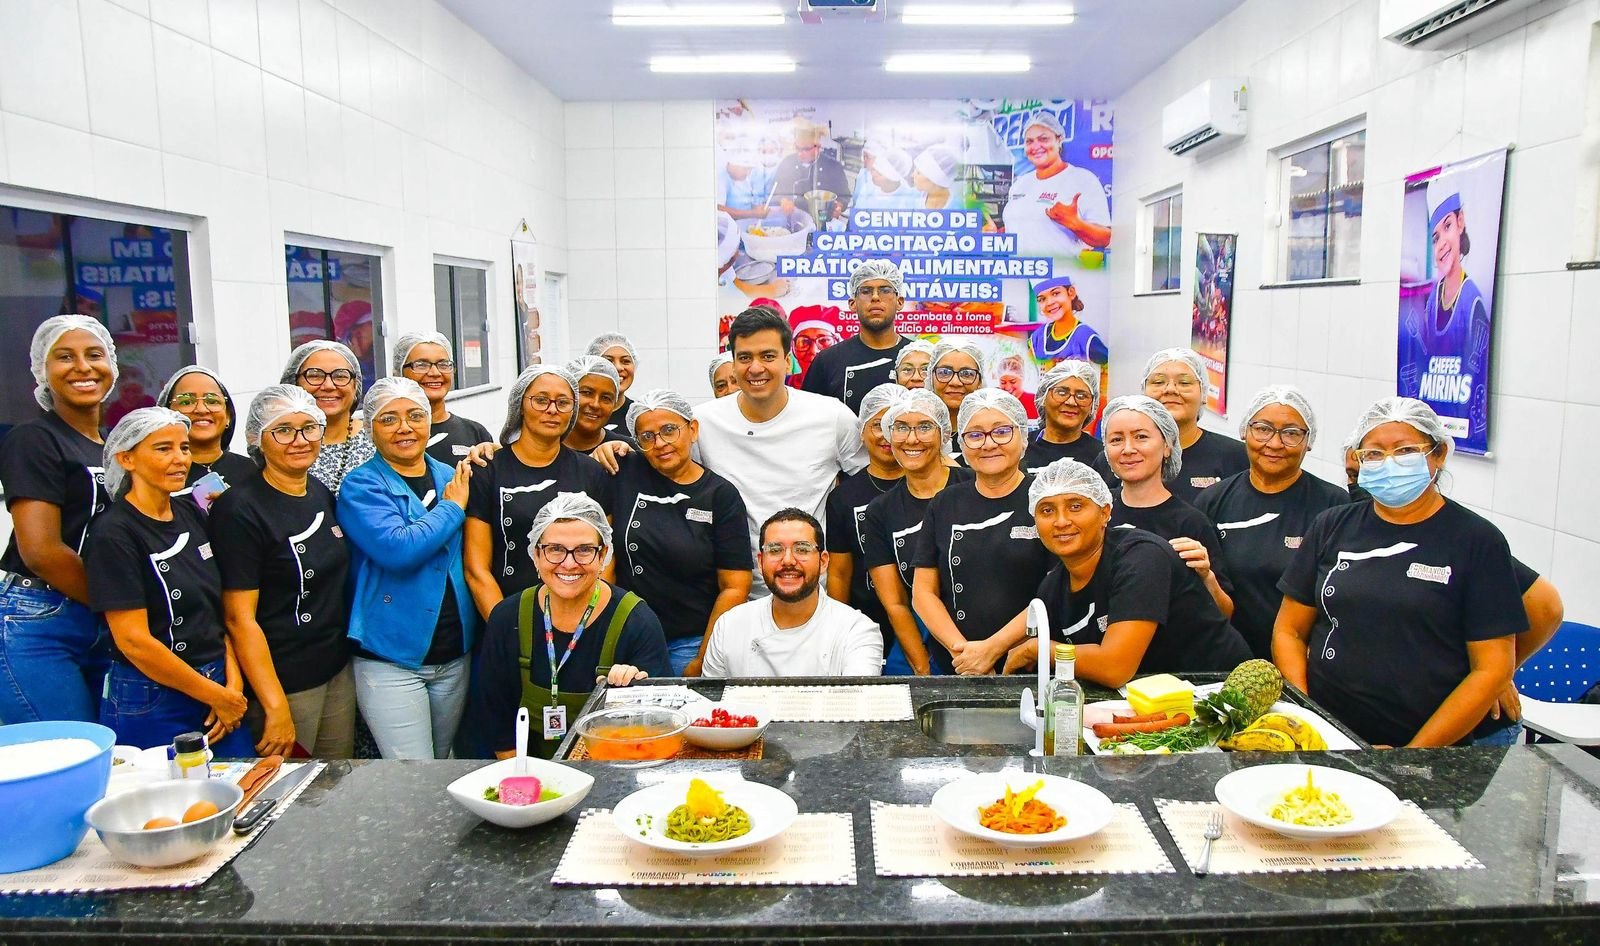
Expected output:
(550, 641)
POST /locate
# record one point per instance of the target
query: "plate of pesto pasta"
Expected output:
(700, 816)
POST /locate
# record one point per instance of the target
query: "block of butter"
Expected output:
(1162, 693)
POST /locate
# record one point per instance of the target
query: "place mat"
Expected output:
(1412, 841)
(819, 849)
(92, 869)
(580, 752)
(912, 841)
(875, 702)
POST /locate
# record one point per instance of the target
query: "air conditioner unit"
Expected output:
(1432, 24)
(858, 11)
(1210, 114)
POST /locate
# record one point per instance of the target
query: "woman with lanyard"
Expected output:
(1400, 615)
(722, 375)
(153, 577)
(1176, 377)
(1262, 514)
(53, 656)
(911, 364)
(1067, 397)
(848, 580)
(528, 472)
(198, 394)
(619, 351)
(593, 631)
(917, 427)
(978, 559)
(330, 372)
(1123, 596)
(284, 564)
(955, 370)
(425, 358)
(411, 617)
(599, 391)
(1142, 447)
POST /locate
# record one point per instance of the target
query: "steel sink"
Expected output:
(974, 723)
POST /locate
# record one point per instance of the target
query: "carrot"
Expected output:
(1130, 718)
(1113, 730)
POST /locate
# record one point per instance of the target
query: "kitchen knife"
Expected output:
(270, 797)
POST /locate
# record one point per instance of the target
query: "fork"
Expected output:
(1213, 831)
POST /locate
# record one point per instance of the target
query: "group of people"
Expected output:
(397, 565)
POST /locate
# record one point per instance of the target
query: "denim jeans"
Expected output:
(1509, 736)
(145, 713)
(681, 650)
(53, 656)
(413, 714)
(895, 663)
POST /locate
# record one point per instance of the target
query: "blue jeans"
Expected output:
(53, 656)
(413, 714)
(681, 650)
(895, 663)
(144, 713)
(1509, 736)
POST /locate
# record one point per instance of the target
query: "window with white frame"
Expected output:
(1163, 235)
(461, 314)
(1320, 196)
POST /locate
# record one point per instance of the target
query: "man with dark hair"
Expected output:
(855, 366)
(797, 631)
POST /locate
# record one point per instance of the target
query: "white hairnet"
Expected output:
(1151, 408)
(938, 164)
(1188, 356)
(274, 403)
(894, 164)
(570, 507)
(1088, 373)
(584, 365)
(717, 361)
(297, 360)
(131, 431)
(880, 398)
(1003, 401)
(604, 343)
(512, 428)
(1068, 477)
(658, 399)
(945, 349)
(877, 269)
(924, 402)
(45, 337)
(916, 346)
(1403, 410)
(410, 340)
(165, 397)
(1289, 396)
(389, 389)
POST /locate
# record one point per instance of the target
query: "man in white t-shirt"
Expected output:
(797, 631)
(1057, 209)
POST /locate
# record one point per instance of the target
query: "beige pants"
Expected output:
(324, 717)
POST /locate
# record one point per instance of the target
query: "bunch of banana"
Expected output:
(1276, 732)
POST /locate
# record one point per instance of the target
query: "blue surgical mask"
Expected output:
(1397, 482)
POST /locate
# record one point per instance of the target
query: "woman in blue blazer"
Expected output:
(412, 617)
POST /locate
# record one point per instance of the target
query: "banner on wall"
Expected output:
(997, 212)
(1212, 314)
(1450, 245)
(525, 300)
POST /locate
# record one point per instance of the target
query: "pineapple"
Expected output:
(1249, 692)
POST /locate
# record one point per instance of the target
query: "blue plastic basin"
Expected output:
(43, 820)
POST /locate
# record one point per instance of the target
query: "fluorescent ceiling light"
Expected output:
(957, 62)
(922, 15)
(722, 64)
(697, 15)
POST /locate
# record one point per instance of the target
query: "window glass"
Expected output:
(461, 313)
(1166, 242)
(1322, 216)
(334, 294)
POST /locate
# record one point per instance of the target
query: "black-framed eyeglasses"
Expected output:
(556, 554)
(669, 433)
(1061, 392)
(310, 433)
(900, 433)
(1262, 432)
(341, 377)
(1000, 435)
(543, 402)
(967, 375)
(181, 401)
(419, 366)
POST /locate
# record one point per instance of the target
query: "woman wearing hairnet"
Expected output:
(1400, 615)
(721, 375)
(934, 173)
(412, 618)
(599, 391)
(954, 371)
(425, 358)
(911, 365)
(331, 374)
(1176, 377)
(917, 430)
(153, 578)
(592, 631)
(685, 543)
(52, 654)
(619, 351)
(198, 394)
(284, 564)
(978, 558)
(1123, 596)
(1262, 514)
(1066, 399)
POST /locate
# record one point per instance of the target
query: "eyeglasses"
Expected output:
(967, 375)
(1407, 452)
(556, 554)
(667, 434)
(285, 435)
(801, 549)
(543, 402)
(340, 377)
(1182, 382)
(181, 401)
(1060, 393)
(392, 419)
(869, 292)
(1262, 432)
(912, 371)
(1000, 435)
(423, 367)
(900, 433)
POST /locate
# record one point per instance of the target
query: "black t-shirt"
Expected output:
(988, 555)
(1172, 519)
(508, 493)
(846, 532)
(1041, 452)
(291, 551)
(619, 415)
(1207, 462)
(234, 469)
(894, 520)
(1525, 576)
(449, 639)
(672, 539)
(1259, 533)
(497, 678)
(1140, 578)
(1396, 606)
(45, 459)
(850, 369)
(449, 440)
(165, 569)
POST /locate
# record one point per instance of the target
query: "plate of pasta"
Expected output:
(699, 816)
(1307, 801)
(1022, 809)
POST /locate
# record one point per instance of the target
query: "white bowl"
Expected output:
(642, 816)
(572, 783)
(1086, 808)
(775, 240)
(1250, 793)
(717, 737)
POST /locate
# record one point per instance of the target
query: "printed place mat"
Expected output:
(92, 869)
(580, 752)
(1413, 841)
(819, 849)
(912, 841)
(874, 702)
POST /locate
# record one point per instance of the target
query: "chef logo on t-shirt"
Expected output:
(1292, 541)
(1434, 573)
(1024, 532)
(1104, 622)
(460, 449)
(697, 515)
(205, 551)
(338, 533)
(1204, 482)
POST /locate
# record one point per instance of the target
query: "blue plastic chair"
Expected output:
(1554, 679)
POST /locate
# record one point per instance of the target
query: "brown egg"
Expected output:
(154, 823)
(198, 810)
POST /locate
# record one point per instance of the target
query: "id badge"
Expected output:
(555, 722)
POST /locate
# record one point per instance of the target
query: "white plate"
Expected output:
(572, 783)
(717, 737)
(1250, 794)
(1336, 740)
(642, 816)
(1086, 808)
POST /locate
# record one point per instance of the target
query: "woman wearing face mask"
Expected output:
(1262, 514)
(331, 373)
(955, 370)
(599, 391)
(918, 432)
(979, 561)
(53, 656)
(425, 358)
(911, 365)
(1066, 399)
(1142, 449)
(198, 394)
(721, 374)
(1176, 377)
(619, 351)
(1400, 615)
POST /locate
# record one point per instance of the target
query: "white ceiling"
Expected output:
(571, 47)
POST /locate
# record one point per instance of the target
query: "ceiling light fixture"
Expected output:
(922, 15)
(748, 64)
(957, 62)
(697, 15)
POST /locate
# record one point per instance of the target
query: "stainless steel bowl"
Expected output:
(120, 820)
